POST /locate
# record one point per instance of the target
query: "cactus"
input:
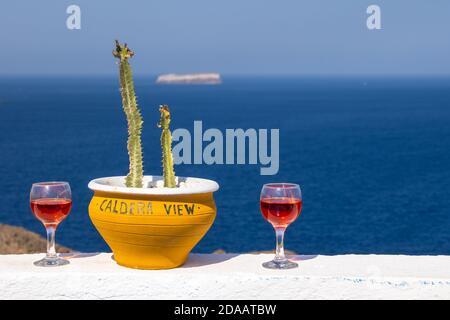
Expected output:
(166, 145)
(134, 118)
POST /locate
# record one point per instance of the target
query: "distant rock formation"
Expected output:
(15, 240)
(194, 78)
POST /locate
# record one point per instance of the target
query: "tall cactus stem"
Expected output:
(135, 176)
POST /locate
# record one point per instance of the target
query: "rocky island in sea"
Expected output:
(192, 78)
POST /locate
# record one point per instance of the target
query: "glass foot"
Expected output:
(280, 264)
(51, 262)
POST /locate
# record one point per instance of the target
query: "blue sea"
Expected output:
(372, 156)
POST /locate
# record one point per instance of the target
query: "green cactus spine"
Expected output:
(166, 145)
(134, 118)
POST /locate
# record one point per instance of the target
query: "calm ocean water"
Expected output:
(372, 156)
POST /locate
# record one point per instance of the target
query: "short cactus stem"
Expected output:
(166, 145)
(135, 176)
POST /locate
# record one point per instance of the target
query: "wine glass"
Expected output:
(50, 203)
(281, 204)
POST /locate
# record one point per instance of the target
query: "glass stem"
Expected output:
(51, 251)
(279, 255)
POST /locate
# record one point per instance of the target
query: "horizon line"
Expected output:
(320, 75)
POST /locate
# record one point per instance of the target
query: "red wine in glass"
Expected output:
(281, 212)
(281, 204)
(50, 203)
(51, 211)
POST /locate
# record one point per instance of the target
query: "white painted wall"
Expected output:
(96, 276)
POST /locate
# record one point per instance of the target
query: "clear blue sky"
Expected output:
(228, 36)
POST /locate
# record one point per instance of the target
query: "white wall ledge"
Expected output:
(228, 276)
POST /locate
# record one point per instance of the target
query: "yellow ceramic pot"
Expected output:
(152, 228)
